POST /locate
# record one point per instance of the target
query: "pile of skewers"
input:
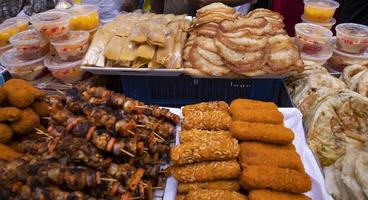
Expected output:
(99, 145)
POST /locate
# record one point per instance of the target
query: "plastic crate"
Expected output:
(182, 90)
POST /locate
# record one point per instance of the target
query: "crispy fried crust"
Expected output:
(195, 135)
(231, 185)
(251, 104)
(206, 106)
(259, 116)
(9, 114)
(275, 195)
(214, 195)
(210, 120)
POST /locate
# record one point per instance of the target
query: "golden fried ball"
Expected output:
(28, 121)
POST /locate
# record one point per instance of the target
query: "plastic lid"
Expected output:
(17, 19)
(55, 63)
(323, 3)
(27, 38)
(313, 30)
(352, 30)
(50, 17)
(72, 38)
(318, 58)
(10, 59)
(83, 9)
(360, 56)
(330, 23)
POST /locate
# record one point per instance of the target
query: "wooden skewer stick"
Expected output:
(141, 125)
(157, 135)
(48, 118)
(158, 188)
(144, 107)
(44, 134)
(131, 132)
(109, 179)
(128, 153)
(61, 92)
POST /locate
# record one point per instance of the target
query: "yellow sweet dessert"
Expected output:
(84, 17)
(319, 11)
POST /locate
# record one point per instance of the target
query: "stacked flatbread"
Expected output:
(356, 78)
(136, 40)
(224, 43)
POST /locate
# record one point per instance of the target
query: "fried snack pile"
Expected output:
(272, 169)
(356, 78)
(205, 162)
(224, 43)
(139, 40)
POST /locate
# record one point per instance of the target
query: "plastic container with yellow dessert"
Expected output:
(30, 44)
(73, 47)
(321, 11)
(84, 17)
(66, 72)
(52, 24)
(22, 68)
(352, 38)
(327, 25)
(11, 27)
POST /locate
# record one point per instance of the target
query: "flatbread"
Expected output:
(360, 171)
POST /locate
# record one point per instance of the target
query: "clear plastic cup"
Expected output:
(5, 48)
(11, 27)
(92, 34)
(21, 68)
(22, 22)
(320, 11)
(30, 44)
(84, 17)
(327, 25)
(52, 24)
(313, 40)
(352, 38)
(73, 47)
(66, 72)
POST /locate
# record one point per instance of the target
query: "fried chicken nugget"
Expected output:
(41, 108)
(6, 133)
(180, 197)
(206, 106)
(209, 120)
(245, 104)
(275, 195)
(259, 115)
(18, 93)
(196, 135)
(283, 156)
(9, 114)
(2, 94)
(231, 185)
(268, 133)
(206, 171)
(28, 121)
(210, 150)
(279, 179)
(214, 195)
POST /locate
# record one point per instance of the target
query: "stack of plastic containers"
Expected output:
(10, 27)
(320, 12)
(85, 18)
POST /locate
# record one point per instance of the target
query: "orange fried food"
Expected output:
(259, 115)
(209, 120)
(2, 94)
(180, 197)
(196, 135)
(206, 106)
(8, 153)
(6, 133)
(28, 121)
(274, 195)
(9, 114)
(231, 185)
(18, 93)
(210, 150)
(206, 171)
(214, 195)
(239, 104)
(279, 179)
(283, 156)
(41, 108)
(268, 133)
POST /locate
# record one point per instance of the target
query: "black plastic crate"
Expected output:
(182, 90)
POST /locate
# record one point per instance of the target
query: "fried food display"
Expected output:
(18, 94)
(28, 121)
(279, 179)
(205, 106)
(275, 195)
(202, 151)
(2, 94)
(9, 114)
(245, 104)
(6, 133)
(356, 78)
(282, 156)
(259, 115)
(206, 171)
(8, 153)
(261, 132)
(214, 195)
(209, 120)
(230, 185)
(196, 135)
(41, 108)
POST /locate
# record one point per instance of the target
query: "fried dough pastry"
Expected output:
(28, 121)
(274, 18)
(209, 120)
(214, 195)
(206, 43)
(238, 104)
(19, 93)
(259, 116)
(230, 185)
(279, 179)
(41, 108)
(242, 22)
(275, 195)
(244, 43)
(215, 7)
(205, 106)
(9, 114)
(202, 151)
(209, 56)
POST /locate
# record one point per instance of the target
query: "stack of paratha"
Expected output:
(356, 78)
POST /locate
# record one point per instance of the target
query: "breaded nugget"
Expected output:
(41, 108)
(210, 120)
(206, 171)
(268, 133)
(196, 135)
(275, 195)
(259, 115)
(9, 114)
(201, 151)
(6, 133)
(2, 94)
(28, 121)
(206, 106)
(283, 156)
(231, 185)
(180, 197)
(214, 195)
(18, 93)
(279, 179)
(8, 153)
(244, 104)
